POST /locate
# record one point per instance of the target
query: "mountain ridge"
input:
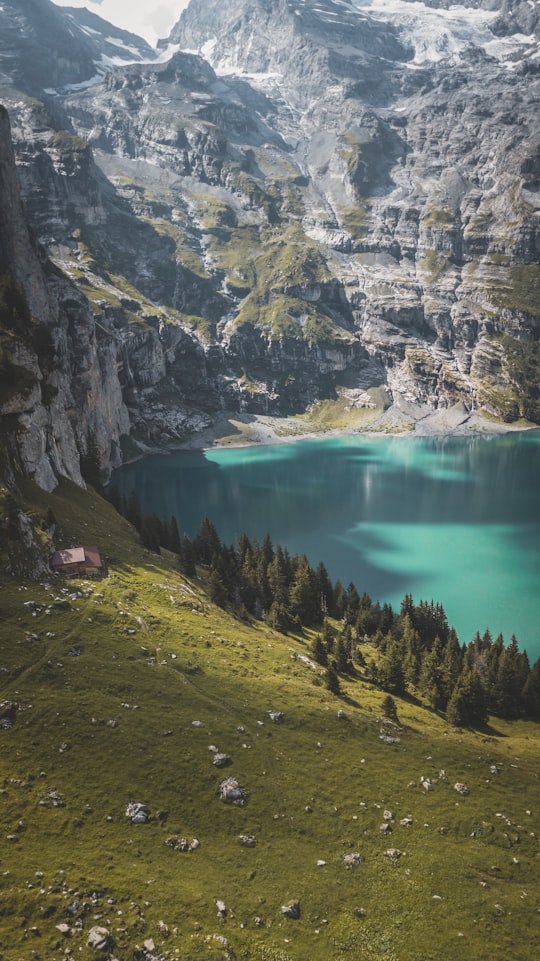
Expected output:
(261, 245)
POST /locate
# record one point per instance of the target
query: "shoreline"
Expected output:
(230, 430)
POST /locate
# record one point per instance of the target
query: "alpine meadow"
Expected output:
(269, 474)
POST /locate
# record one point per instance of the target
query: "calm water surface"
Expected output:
(452, 519)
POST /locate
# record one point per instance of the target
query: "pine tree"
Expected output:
(449, 668)
(389, 708)
(342, 659)
(412, 647)
(277, 577)
(531, 692)
(186, 557)
(304, 598)
(332, 679)
(456, 712)
(207, 543)
(468, 703)
(279, 618)
(352, 606)
(430, 677)
(390, 673)
(325, 589)
(511, 677)
(328, 636)
(217, 591)
(340, 600)
(318, 650)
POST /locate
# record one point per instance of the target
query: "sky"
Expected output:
(151, 19)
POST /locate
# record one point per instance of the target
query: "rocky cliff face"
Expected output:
(60, 392)
(286, 201)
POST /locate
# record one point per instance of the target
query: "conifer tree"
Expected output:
(340, 600)
(342, 659)
(389, 708)
(328, 636)
(186, 557)
(468, 703)
(430, 677)
(325, 589)
(304, 598)
(450, 667)
(332, 679)
(207, 543)
(318, 650)
(390, 672)
(531, 692)
(277, 577)
(217, 591)
(279, 618)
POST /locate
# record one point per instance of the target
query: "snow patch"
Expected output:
(208, 48)
(439, 34)
(84, 84)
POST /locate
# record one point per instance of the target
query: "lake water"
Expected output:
(452, 519)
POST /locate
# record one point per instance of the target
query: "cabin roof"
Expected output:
(76, 555)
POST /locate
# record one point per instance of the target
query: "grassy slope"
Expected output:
(465, 886)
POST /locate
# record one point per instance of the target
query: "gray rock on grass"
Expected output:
(137, 813)
(99, 938)
(291, 910)
(231, 792)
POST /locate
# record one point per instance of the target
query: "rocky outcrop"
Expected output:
(64, 395)
(301, 199)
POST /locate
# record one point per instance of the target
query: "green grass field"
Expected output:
(108, 690)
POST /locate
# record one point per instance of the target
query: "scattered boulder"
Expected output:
(461, 788)
(341, 714)
(52, 798)
(291, 910)
(248, 840)
(230, 791)
(221, 760)
(8, 711)
(221, 910)
(406, 822)
(394, 853)
(426, 783)
(385, 828)
(352, 860)
(99, 938)
(64, 929)
(137, 813)
(388, 816)
(388, 738)
(182, 844)
(277, 716)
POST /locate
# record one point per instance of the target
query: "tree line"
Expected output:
(418, 653)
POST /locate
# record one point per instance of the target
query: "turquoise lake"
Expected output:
(452, 519)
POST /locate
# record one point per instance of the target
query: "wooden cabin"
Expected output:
(77, 562)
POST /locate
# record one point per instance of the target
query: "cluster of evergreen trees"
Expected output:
(418, 652)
